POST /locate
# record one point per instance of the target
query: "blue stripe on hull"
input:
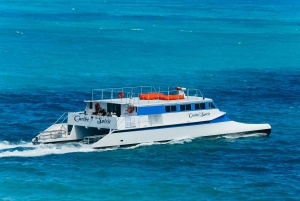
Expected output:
(220, 119)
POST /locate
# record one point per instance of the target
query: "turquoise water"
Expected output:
(243, 54)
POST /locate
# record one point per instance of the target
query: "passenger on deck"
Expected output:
(101, 112)
(97, 109)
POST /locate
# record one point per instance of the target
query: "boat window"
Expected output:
(168, 108)
(90, 105)
(114, 108)
(211, 106)
(199, 106)
(171, 108)
(185, 107)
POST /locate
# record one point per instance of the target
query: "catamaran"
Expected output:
(127, 116)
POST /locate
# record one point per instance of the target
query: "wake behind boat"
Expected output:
(128, 116)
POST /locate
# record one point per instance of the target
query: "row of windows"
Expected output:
(185, 107)
(211, 105)
(171, 108)
(188, 107)
(199, 106)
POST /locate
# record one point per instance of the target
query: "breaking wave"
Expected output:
(11, 145)
(28, 150)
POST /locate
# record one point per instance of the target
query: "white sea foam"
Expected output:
(10, 145)
(175, 141)
(141, 145)
(180, 141)
(42, 150)
(8, 149)
(234, 136)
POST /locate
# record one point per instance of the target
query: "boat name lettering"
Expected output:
(200, 114)
(103, 121)
(78, 118)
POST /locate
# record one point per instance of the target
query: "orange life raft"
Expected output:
(160, 96)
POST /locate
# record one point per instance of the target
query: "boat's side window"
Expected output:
(211, 106)
(171, 108)
(90, 105)
(182, 107)
(185, 107)
(168, 108)
(199, 106)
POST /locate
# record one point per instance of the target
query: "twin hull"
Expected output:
(159, 134)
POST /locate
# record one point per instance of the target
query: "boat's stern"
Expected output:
(35, 140)
(56, 132)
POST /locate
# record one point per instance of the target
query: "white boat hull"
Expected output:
(158, 134)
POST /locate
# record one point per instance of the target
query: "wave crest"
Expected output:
(29, 150)
(12, 145)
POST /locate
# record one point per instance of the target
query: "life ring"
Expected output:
(121, 94)
(130, 109)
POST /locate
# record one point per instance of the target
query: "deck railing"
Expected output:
(127, 94)
(54, 134)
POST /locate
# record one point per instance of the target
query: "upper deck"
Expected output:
(133, 95)
(137, 102)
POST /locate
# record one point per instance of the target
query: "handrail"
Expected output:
(65, 118)
(42, 132)
(60, 118)
(53, 134)
(201, 93)
(111, 93)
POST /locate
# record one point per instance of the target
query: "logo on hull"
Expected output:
(200, 114)
(78, 118)
(103, 121)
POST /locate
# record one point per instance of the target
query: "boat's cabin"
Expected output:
(115, 109)
(133, 102)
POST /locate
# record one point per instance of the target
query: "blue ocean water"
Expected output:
(243, 54)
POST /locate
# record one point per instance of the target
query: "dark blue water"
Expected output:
(243, 54)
